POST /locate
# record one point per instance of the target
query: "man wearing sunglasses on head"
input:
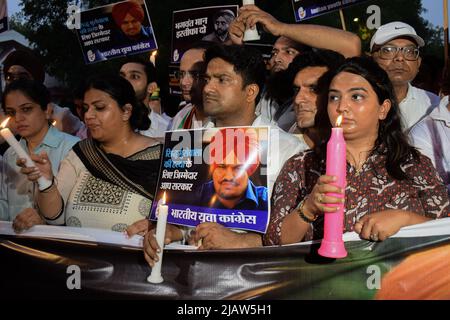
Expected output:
(396, 48)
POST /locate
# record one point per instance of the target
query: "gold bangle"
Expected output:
(301, 212)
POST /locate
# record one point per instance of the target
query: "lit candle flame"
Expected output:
(164, 198)
(54, 123)
(154, 53)
(339, 120)
(4, 123)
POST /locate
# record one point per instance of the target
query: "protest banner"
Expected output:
(115, 30)
(216, 175)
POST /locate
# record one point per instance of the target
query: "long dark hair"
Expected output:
(122, 92)
(391, 141)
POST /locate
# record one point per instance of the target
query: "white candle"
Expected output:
(12, 141)
(163, 209)
(250, 34)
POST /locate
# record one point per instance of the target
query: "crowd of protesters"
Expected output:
(104, 157)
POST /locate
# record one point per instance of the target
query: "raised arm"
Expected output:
(316, 36)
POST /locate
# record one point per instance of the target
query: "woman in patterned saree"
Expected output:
(389, 184)
(108, 181)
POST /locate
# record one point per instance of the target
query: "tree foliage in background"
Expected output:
(43, 23)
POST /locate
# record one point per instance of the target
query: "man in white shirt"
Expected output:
(142, 76)
(308, 70)
(431, 136)
(395, 47)
(191, 115)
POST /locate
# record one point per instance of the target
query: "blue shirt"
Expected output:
(256, 197)
(16, 191)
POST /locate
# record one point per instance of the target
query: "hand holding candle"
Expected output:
(250, 34)
(21, 153)
(332, 244)
(162, 212)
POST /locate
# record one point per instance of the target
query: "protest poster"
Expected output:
(216, 175)
(115, 30)
(3, 16)
(207, 24)
(307, 9)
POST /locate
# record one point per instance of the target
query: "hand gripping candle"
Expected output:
(332, 244)
(163, 209)
(250, 34)
(9, 137)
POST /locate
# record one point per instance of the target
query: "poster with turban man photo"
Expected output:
(200, 24)
(115, 30)
(216, 175)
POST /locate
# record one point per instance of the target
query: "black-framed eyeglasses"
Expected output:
(410, 53)
(194, 75)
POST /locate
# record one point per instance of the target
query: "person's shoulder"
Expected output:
(68, 138)
(150, 148)
(302, 160)
(424, 94)
(178, 118)
(418, 164)
(262, 192)
(147, 31)
(422, 127)
(9, 155)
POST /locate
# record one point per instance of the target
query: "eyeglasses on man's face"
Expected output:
(410, 53)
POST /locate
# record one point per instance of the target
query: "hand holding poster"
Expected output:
(115, 30)
(214, 175)
(207, 24)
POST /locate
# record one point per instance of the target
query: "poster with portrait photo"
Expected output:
(200, 24)
(216, 175)
(115, 30)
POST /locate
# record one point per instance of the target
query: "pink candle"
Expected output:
(332, 244)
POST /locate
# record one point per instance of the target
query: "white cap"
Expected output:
(394, 30)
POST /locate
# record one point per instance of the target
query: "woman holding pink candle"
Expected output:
(389, 184)
(25, 103)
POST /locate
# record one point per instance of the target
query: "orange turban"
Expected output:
(120, 10)
(240, 142)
